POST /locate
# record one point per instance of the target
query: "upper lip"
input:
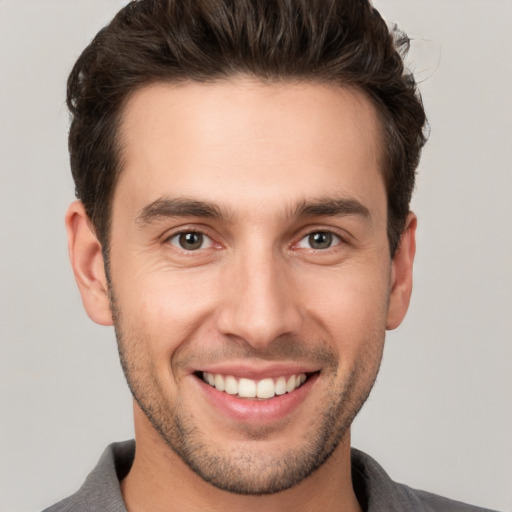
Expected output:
(256, 371)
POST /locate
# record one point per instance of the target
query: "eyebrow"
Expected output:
(181, 207)
(331, 207)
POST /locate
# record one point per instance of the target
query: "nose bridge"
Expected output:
(259, 303)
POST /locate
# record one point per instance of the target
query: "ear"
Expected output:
(401, 274)
(88, 265)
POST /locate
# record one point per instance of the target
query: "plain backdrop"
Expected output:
(440, 416)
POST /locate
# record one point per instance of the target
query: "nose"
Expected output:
(260, 302)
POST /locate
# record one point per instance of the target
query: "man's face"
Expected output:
(249, 256)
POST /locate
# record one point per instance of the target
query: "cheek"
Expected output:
(164, 309)
(350, 303)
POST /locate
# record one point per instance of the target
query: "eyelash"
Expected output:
(204, 238)
(333, 240)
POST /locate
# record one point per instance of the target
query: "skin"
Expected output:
(256, 297)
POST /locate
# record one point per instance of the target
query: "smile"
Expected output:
(249, 388)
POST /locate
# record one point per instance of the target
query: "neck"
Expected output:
(160, 481)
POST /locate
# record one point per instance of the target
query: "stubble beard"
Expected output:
(251, 472)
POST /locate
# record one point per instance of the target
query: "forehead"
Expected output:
(249, 141)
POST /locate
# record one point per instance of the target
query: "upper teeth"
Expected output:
(248, 388)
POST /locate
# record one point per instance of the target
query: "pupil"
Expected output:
(191, 241)
(320, 240)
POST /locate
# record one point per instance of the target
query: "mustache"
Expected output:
(281, 349)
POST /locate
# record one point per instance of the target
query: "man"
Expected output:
(243, 172)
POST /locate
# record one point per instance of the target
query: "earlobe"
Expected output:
(401, 274)
(88, 265)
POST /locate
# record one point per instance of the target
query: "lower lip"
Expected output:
(257, 410)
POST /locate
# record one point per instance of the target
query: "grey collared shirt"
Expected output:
(375, 491)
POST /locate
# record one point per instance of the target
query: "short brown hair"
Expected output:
(330, 41)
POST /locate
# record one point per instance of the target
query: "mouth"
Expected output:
(263, 389)
(256, 397)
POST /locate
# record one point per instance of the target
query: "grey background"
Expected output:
(440, 416)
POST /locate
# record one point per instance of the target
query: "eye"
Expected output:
(319, 240)
(190, 241)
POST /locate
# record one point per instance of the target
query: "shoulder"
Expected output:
(72, 503)
(101, 489)
(377, 492)
(433, 503)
